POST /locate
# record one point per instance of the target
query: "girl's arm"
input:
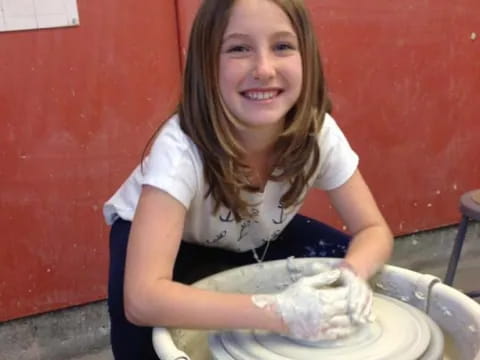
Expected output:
(151, 298)
(372, 241)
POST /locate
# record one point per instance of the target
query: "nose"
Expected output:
(264, 66)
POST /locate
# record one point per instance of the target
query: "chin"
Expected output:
(261, 122)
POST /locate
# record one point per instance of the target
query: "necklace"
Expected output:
(255, 255)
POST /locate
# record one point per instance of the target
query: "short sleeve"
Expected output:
(172, 165)
(338, 161)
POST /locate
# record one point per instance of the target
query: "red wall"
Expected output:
(78, 105)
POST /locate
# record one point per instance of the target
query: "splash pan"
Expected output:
(419, 338)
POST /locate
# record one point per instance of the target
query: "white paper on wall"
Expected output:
(37, 14)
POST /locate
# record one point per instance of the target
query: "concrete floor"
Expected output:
(101, 355)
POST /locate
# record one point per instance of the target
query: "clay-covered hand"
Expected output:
(297, 269)
(310, 309)
(359, 296)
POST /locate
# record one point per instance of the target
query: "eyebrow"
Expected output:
(244, 36)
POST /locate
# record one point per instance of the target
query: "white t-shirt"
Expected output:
(174, 165)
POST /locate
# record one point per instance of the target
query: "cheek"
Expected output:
(295, 74)
(229, 75)
(222, 81)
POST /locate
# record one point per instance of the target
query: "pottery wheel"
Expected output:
(400, 332)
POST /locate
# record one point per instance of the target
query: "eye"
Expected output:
(284, 46)
(237, 49)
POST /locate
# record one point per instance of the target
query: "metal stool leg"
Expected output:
(474, 294)
(456, 251)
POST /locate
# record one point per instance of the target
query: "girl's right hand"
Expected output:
(309, 309)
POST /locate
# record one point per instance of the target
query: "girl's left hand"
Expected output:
(359, 295)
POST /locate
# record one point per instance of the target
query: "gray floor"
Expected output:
(102, 355)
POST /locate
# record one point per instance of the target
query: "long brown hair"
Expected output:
(207, 121)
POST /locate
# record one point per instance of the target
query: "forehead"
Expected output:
(258, 16)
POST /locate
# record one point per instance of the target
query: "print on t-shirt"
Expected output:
(281, 217)
(217, 238)
(244, 229)
(228, 218)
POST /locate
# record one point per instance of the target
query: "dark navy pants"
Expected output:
(302, 237)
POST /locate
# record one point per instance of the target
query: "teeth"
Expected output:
(256, 95)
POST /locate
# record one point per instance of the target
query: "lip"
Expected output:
(278, 91)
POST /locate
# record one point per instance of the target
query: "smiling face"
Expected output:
(260, 70)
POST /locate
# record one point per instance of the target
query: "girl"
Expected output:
(224, 180)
